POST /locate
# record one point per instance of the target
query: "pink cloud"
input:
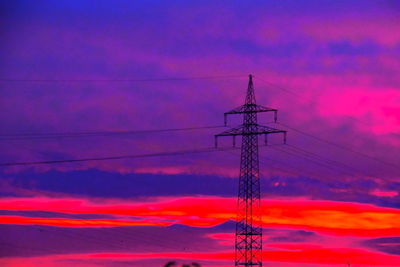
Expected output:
(380, 106)
(380, 193)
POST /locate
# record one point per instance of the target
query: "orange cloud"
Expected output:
(335, 218)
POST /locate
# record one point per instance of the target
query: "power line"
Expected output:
(160, 154)
(329, 161)
(309, 159)
(126, 80)
(293, 169)
(340, 146)
(285, 164)
(278, 87)
(326, 163)
(55, 135)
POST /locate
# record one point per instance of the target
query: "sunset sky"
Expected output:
(330, 196)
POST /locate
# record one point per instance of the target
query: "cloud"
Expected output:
(384, 32)
(19, 220)
(379, 106)
(291, 253)
(384, 193)
(186, 48)
(276, 183)
(22, 240)
(328, 217)
(389, 245)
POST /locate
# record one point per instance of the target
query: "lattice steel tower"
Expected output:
(248, 243)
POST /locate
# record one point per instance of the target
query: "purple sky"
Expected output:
(330, 67)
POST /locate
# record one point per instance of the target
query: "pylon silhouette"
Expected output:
(248, 240)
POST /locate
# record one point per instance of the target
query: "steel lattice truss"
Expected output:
(248, 241)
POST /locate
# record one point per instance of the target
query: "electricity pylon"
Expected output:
(248, 240)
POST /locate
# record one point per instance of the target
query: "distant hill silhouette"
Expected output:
(173, 263)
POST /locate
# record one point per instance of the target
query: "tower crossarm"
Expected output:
(244, 130)
(250, 108)
(255, 130)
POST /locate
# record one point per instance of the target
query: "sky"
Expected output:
(330, 196)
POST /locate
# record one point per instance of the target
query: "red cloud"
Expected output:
(62, 222)
(334, 218)
(289, 253)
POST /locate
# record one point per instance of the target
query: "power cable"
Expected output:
(329, 161)
(56, 135)
(340, 146)
(281, 163)
(322, 164)
(159, 154)
(126, 80)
